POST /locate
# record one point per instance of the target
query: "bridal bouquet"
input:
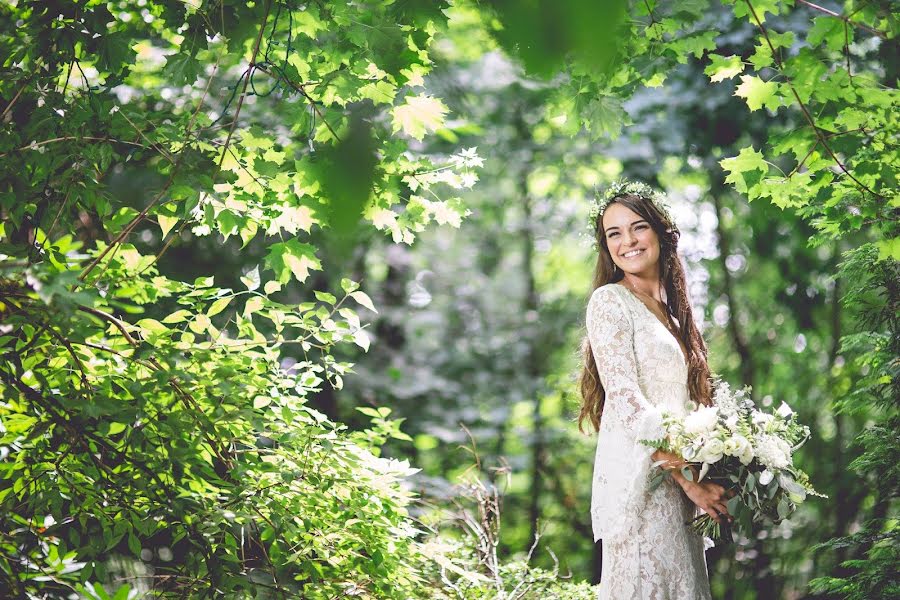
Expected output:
(743, 449)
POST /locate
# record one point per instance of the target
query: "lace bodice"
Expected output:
(648, 552)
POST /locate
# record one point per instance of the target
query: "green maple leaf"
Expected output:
(418, 115)
(115, 52)
(308, 22)
(829, 29)
(760, 8)
(690, 9)
(723, 67)
(379, 92)
(182, 69)
(786, 192)
(292, 258)
(758, 93)
(745, 171)
(781, 40)
(889, 249)
(603, 116)
(762, 57)
(695, 43)
(805, 71)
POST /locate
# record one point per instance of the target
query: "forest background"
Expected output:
(293, 293)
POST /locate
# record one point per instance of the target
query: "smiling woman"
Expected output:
(644, 354)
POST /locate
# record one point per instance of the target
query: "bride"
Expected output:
(643, 356)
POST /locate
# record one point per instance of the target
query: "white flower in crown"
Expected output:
(624, 187)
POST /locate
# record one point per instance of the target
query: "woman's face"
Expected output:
(632, 243)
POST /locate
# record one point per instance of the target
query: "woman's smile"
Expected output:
(631, 242)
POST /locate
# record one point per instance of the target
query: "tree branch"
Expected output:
(846, 20)
(803, 108)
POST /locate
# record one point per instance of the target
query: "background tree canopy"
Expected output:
(245, 356)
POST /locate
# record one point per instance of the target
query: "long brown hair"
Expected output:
(677, 303)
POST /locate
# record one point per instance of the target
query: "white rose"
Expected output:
(712, 451)
(745, 453)
(739, 447)
(702, 420)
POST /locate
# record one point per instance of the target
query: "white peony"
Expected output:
(702, 420)
(712, 451)
(773, 452)
(739, 447)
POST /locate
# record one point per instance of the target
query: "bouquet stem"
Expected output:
(705, 526)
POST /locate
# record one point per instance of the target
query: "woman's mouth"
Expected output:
(632, 253)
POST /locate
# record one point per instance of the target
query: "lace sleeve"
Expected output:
(622, 464)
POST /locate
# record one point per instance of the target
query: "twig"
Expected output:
(130, 227)
(152, 144)
(184, 396)
(847, 51)
(650, 13)
(188, 133)
(805, 158)
(299, 89)
(846, 20)
(14, 100)
(247, 75)
(59, 213)
(68, 138)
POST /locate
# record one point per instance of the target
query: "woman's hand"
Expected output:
(710, 497)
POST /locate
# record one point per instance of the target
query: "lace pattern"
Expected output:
(648, 552)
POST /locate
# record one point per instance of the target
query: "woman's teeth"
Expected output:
(632, 253)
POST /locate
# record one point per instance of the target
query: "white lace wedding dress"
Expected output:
(648, 551)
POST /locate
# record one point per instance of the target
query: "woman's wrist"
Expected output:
(683, 481)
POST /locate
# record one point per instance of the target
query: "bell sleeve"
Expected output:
(622, 465)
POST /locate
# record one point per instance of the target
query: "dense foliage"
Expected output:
(190, 195)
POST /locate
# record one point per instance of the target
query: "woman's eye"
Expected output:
(613, 233)
(642, 227)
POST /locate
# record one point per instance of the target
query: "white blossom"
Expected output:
(732, 422)
(772, 451)
(712, 451)
(702, 420)
(760, 418)
(739, 447)
(689, 453)
(784, 410)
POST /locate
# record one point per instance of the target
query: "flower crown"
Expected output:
(623, 187)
